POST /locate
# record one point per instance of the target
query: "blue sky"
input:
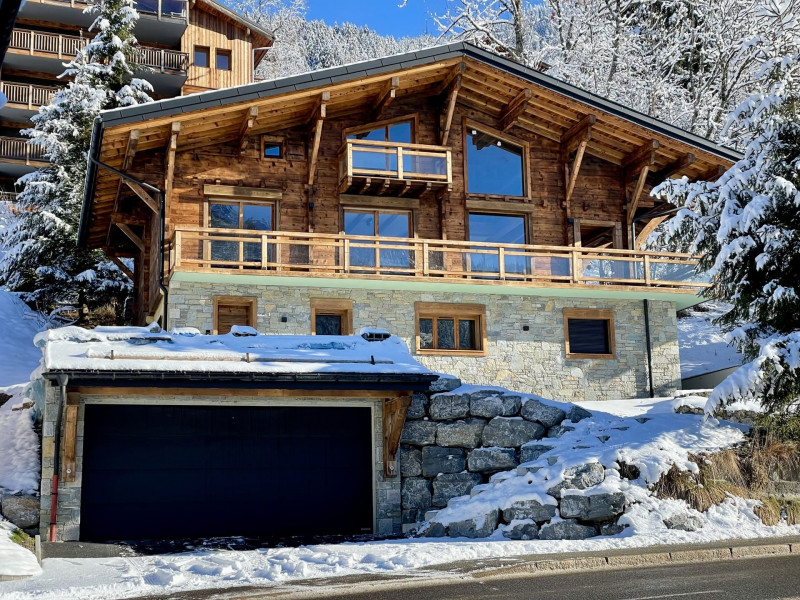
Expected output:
(383, 16)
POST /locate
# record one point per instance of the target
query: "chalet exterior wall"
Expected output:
(530, 361)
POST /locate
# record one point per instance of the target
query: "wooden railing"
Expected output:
(19, 149)
(68, 46)
(336, 255)
(392, 160)
(27, 94)
(8, 196)
(169, 8)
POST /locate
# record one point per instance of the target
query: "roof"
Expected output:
(150, 354)
(247, 22)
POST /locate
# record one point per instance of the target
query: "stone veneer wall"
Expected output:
(387, 491)
(528, 361)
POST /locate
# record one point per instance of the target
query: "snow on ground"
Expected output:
(19, 446)
(18, 355)
(14, 559)
(651, 444)
(702, 345)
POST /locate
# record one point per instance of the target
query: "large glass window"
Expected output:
(497, 229)
(378, 223)
(494, 166)
(382, 160)
(223, 214)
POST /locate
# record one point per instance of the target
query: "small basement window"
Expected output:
(202, 55)
(223, 60)
(450, 328)
(331, 317)
(234, 310)
(589, 333)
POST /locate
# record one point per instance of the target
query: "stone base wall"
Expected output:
(530, 361)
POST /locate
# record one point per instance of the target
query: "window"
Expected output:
(381, 159)
(385, 131)
(202, 56)
(223, 60)
(331, 317)
(382, 223)
(497, 229)
(494, 165)
(450, 328)
(589, 333)
(271, 146)
(233, 310)
(237, 214)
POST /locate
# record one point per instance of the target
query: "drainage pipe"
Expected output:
(647, 342)
(62, 402)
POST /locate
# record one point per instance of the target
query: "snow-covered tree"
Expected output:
(746, 226)
(41, 259)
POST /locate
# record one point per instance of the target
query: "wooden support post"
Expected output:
(633, 203)
(385, 97)
(649, 228)
(575, 139)
(448, 110)
(169, 168)
(127, 161)
(70, 437)
(137, 241)
(394, 417)
(317, 120)
(149, 201)
(244, 129)
(513, 110)
(121, 266)
(637, 165)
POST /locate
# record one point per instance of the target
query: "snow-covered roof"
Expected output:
(184, 353)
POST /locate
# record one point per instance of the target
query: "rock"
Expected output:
(430, 515)
(415, 492)
(452, 485)
(475, 528)
(22, 511)
(419, 407)
(410, 460)
(580, 477)
(521, 530)
(549, 416)
(684, 522)
(531, 510)
(525, 470)
(597, 507)
(449, 406)
(558, 431)
(460, 434)
(604, 438)
(684, 409)
(577, 414)
(433, 530)
(530, 452)
(491, 460)
(495, 406)
(445, 383)
(419, 433)
(566, 530)
(412, 515)
(479, 489)
(642, 420)
(612, 529)
(508, 433)
(481, 394)
(436, 459)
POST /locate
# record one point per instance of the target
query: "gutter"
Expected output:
(62, 380)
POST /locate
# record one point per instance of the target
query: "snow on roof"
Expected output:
(185, 350)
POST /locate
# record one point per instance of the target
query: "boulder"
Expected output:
(547, 415)
(530, 451)
(558, 431)
(474, 528)
(460, 434)
(449, 406)
(445, 383)
(419, 433)
(530, 510)
(566, 530)
(452, 485)
(491, 460)
(683, 522)
(410, 460)
(495, 406)
(436, 459)
(433, 530)
(22, 510)
(481, 394)
(415, 492)
(412, 515)
(505, 432)
(521, 530)
(419, 407)
(597, 507)
(579, 477)
(577, 414)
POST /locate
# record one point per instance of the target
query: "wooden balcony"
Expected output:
(18, 150)
(8, 196)
(394, 169)
(274, 253)
(26, 96)
(159, 8)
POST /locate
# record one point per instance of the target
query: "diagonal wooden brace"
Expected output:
(394, 417)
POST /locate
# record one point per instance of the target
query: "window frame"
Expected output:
(223, 52)
(215, 199)
(341, 307)
(204, 49)
(527, 186)
(413, 118)
(249, 302)
(455, 311)
(273, 140)
(595, 314)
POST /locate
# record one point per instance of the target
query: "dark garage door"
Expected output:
(155, 472)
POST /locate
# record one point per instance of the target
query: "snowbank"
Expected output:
(703, 348)
(18, 355)
(19, 447)
(14, 559)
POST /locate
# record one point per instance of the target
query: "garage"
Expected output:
(177, 471)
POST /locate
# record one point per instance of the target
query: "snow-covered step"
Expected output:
(478, 489)
(523, 470)
(430, 515)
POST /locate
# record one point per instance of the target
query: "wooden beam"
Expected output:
(394, 417)
(130, 150)
(649, 228)
(674, 167)
(169, 167)
(385, 97)
(320, 109)
(459, 69)
(121, 266)
(643, 155)
(713, 173)
(143, 195)
(633, 203)
(70, 442)
(316, 134)
(448, 110)
(579, 133)
(514, 109)
(247, 124)
(571, 175)
(131, 235)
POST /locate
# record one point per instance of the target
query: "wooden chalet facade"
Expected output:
(490, 215)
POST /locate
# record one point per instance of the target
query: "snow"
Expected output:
(14, 559)
(19, 446)
(19, 355)
(703, 348)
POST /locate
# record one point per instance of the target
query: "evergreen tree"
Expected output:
(41, 259)
(746, 227)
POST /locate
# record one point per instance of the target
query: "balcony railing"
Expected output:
(404, 166)
(26, 94)
(67, 46)
(168, 8)
(13, 148)
(8, 196)
(335, 255)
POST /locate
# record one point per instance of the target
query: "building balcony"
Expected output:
(24, 99)
(13, 149)
(394, 169)
(381, 262)
(8, 196)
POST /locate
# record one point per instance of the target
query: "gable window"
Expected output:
(331, 316)
(589, 333)
(238, 214)
(271, 146)
(233, 310)
(496, 228)
(375, 157)
(223, 60)
(494, 165)
(450, 328)
(202, 55)
(383, 223)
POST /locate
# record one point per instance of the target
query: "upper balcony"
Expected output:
(398, 169)
(421, 264)
(17, 157)
(24, 99)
